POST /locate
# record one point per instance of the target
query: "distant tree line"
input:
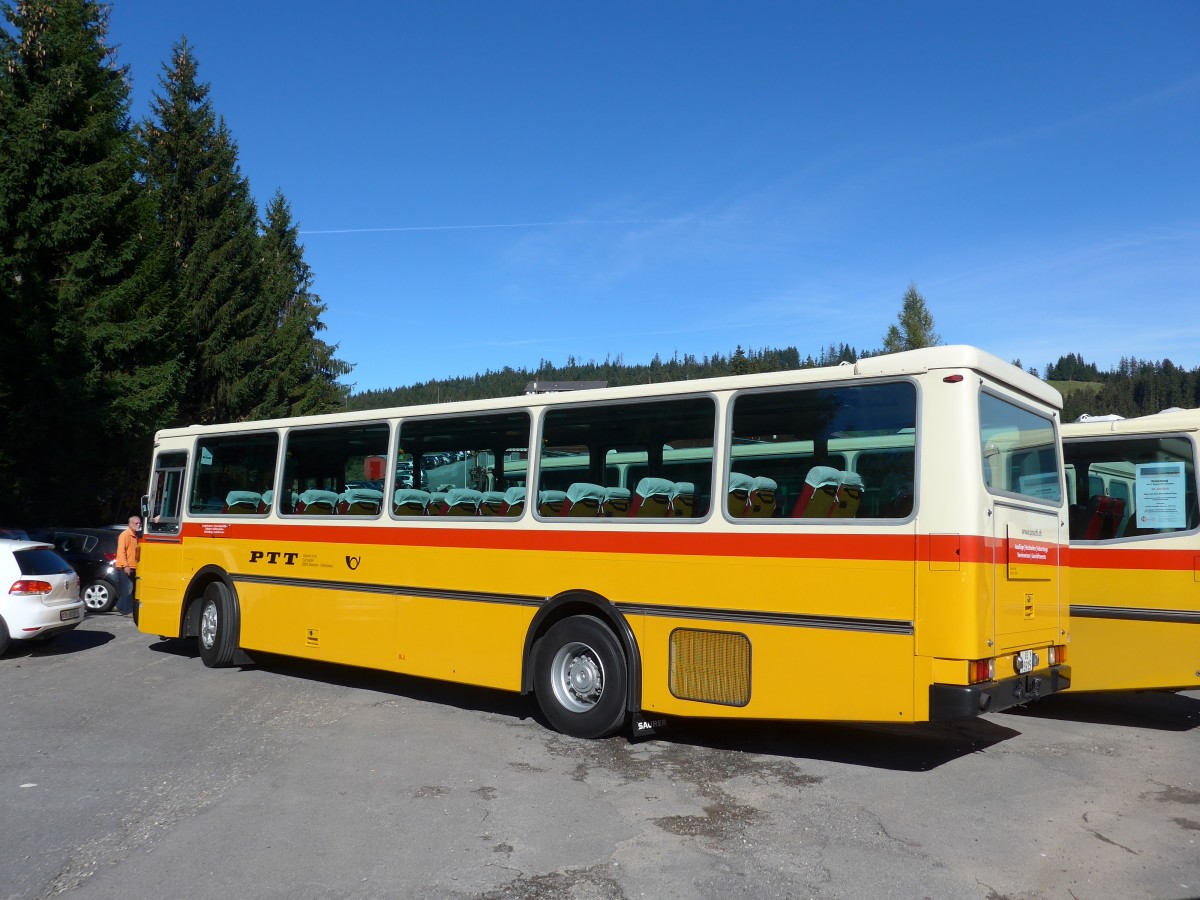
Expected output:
(509, 382)
(139, 286)
(1136, 387)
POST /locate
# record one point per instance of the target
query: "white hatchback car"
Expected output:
(39, 593)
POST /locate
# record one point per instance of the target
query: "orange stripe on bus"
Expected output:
(882, 547)
(1113, 558)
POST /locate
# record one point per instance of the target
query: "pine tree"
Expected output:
(84, 376)
(301, 372)
(914, 325)
(209, 224)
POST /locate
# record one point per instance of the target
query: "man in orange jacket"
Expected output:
(127, 560)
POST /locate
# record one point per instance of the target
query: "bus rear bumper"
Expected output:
(959, 701)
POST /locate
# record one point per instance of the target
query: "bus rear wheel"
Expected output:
(580, 678)
(217, 640)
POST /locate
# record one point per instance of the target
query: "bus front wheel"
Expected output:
(218, 643)
(580, 678)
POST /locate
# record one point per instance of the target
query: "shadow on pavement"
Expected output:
(75, 641)
(1159, 710)
(903, 748)
(910, 748)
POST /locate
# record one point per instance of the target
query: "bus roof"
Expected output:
(909, 362)
(1168, 420)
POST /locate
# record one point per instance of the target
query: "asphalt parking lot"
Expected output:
(127, 769)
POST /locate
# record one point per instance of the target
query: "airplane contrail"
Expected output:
(494, 225)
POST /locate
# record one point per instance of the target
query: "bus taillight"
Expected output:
(981, 670)
(1056, 655)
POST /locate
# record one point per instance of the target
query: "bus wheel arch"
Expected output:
(582, 663)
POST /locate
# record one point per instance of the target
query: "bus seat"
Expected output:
(819, 493)
(550, 503)
(410, 502)
(1097, 517)
(491, 503)
(849, 496)
(760, 499)
(242, 502)
(514, 501)
(437, 504)
(463, 502)
(652, 498)
(616, 502)
(739, 493)
(583, 499)
(682, 497)
(264, 503)
(901, 505)
(314, 502)
(360, 502)
(1116, 514)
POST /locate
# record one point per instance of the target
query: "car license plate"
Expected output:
(1026, 661)
(67, 614)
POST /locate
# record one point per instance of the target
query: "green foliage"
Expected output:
(136, 289)
(914, 325)
(510, 382)
(81, 364)
(1072, 368)
(301, 371)
(210, 229)
(1134, 388)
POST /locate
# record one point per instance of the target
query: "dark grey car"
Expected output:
(92, 552)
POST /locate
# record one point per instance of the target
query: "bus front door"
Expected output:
(159, 591)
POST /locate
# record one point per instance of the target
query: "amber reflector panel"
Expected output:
(710, 666)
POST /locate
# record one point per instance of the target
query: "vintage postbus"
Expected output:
(876, 542)
(1135, 552)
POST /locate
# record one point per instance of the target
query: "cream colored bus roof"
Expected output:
(1171, 420)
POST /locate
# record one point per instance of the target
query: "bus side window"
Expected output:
(828, 452)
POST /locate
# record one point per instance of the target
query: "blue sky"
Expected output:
(490, 184)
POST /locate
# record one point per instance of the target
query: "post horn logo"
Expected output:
(353, 561)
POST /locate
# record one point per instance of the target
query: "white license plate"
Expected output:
(68, 614)
(1026, 661)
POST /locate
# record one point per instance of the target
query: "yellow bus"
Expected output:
(1135, 552)
(877, 542)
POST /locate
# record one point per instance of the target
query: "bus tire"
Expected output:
(216, 637)
(581, 678)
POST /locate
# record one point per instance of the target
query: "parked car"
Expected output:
(15, 534)
(39, 593)
(92, 552)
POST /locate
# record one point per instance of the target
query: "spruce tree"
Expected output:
(914, 325)
(302, 371)
(209, 228)
(84, 375)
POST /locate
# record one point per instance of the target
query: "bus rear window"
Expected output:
(1019, 452)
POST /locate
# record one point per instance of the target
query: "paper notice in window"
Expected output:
(1158, 492)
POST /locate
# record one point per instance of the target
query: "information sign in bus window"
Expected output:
(1159, 495)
